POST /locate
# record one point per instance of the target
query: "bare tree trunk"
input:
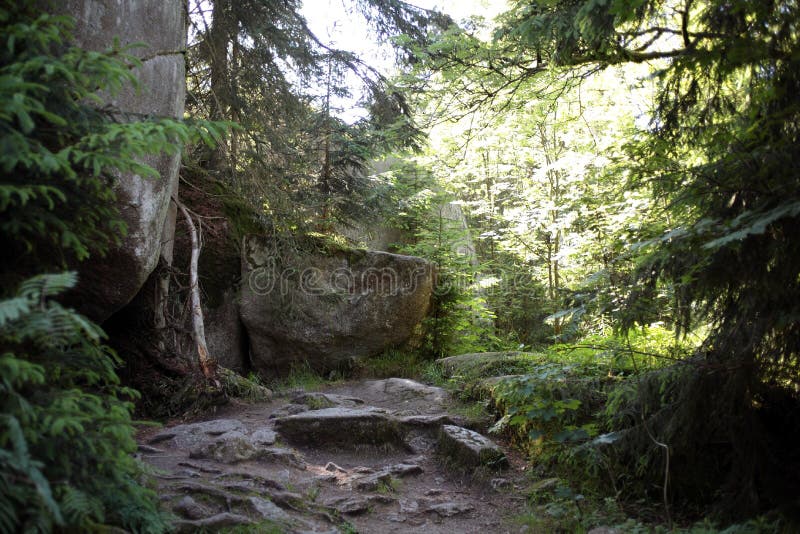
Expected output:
(207, 365)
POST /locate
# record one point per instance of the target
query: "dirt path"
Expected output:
(369, 457)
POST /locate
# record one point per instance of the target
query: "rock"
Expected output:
(356, 505)
(488, 363)
(372, 481)
(470, 449)
(191, 509)
(289, 409)
(224, 331)
(449, 509)
(408, 506)
(267, 510)
(333, 468)
(192, 435)
(109, 282)
(605, 530)
(214, 522)
(324, 428)
(147, 449)
(263, 436)
(329, 308)
(499, 483)
(229, 448)
(404, 393)
(429, 422)
(281, 455)
(317, 401)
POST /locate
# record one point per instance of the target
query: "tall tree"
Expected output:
(258, 63)
(721, 154)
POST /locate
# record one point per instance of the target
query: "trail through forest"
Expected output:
(367, 456)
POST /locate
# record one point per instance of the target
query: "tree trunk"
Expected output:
(207, 365)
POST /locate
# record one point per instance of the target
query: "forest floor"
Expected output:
(364, 456)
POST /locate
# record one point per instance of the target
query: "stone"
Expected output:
(147, 449)
(329, 309)
(316, 400)
(268, 510)
(405, 393)
(110, 282)
(372, 481)
(263, 436)
(350, 505)
(229, 448)
(449, 509)
(191, 509)
(324, 428)
(470, 449)
(499, 483)
(214, 522)
(195, 434)
(605, 530)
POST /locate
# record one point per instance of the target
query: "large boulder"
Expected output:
(329, 307)
(111, 282)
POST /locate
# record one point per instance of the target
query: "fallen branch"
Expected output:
(207, 365)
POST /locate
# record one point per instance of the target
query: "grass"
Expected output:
(392, 363)
(301, 377)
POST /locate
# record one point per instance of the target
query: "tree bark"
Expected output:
(207, 364)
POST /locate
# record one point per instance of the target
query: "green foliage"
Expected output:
(708, 211)
(554, 403)
(60, 149)
(66, 435)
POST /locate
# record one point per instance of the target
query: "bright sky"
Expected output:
(332, 23)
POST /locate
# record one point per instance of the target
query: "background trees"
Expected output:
(711, 205)
(259, 64)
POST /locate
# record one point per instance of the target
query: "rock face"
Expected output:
(329, 308)
(144, 203)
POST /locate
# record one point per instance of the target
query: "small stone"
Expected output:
(333, 468)
(215, 522)
(147, 449)
(267, 509)
(263, 436)
(499, 483)
(229, 448)
(449, 509)
(190, 509)
(408, 506)
(605, 530)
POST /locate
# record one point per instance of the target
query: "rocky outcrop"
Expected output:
(331, 307)
(144, 203)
